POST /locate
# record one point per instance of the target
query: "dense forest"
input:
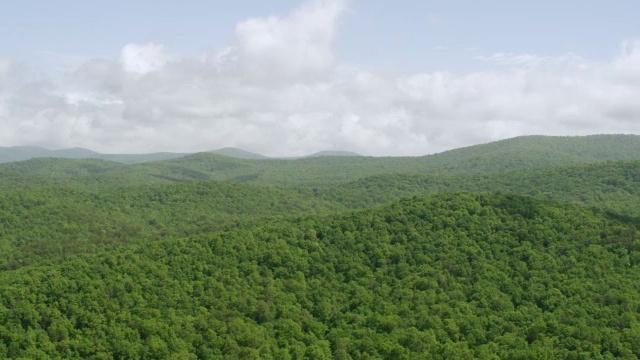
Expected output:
(526, 248)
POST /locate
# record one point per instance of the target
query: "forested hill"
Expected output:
(520, 249)
(547, 150)
(533, 152)
(532, 149)
(45, 224)
(238, 153)
(455, 276)
(613, 186)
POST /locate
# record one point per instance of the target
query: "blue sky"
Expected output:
(289, 77)
(404, 35)
(446, 34)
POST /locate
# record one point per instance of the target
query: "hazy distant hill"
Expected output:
(333, 153)
(140, 158)
(21, 153)
(243, 154)
(74, 153)
(530, 152)
(238, 153)
(519, 152)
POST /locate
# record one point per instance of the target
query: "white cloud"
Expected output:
(143, 59)
(627, 64)
(5, 64)
(295, 46)
(278, 88)
(532, 60)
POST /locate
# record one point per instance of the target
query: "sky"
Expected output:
(288, 78)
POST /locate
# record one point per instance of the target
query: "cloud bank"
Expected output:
(279, 88)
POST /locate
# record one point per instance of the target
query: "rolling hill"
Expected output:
(447, 276)
(519, 249)
(22, 153)
(613, 186)
(333, 153)
(533, 152)
(238, 153)
(182, 207)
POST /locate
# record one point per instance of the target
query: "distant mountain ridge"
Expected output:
(238, 153)
(520, 151)
(21, 153)
(524, 153)
(332, 153)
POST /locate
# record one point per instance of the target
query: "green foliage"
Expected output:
(446, 276)
(520, 249)
(50, 224)
(533, 152)
(612, 185)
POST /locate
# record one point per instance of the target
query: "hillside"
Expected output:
(46, 224)
(530, 152)
(517, 153)
(613, 186)
(591, 147)
(524, 248)
(178, 208)
(513, 154)
(73, 173)
(449, 276)
(238, 153)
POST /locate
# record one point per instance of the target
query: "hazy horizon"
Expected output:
(285, 156)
